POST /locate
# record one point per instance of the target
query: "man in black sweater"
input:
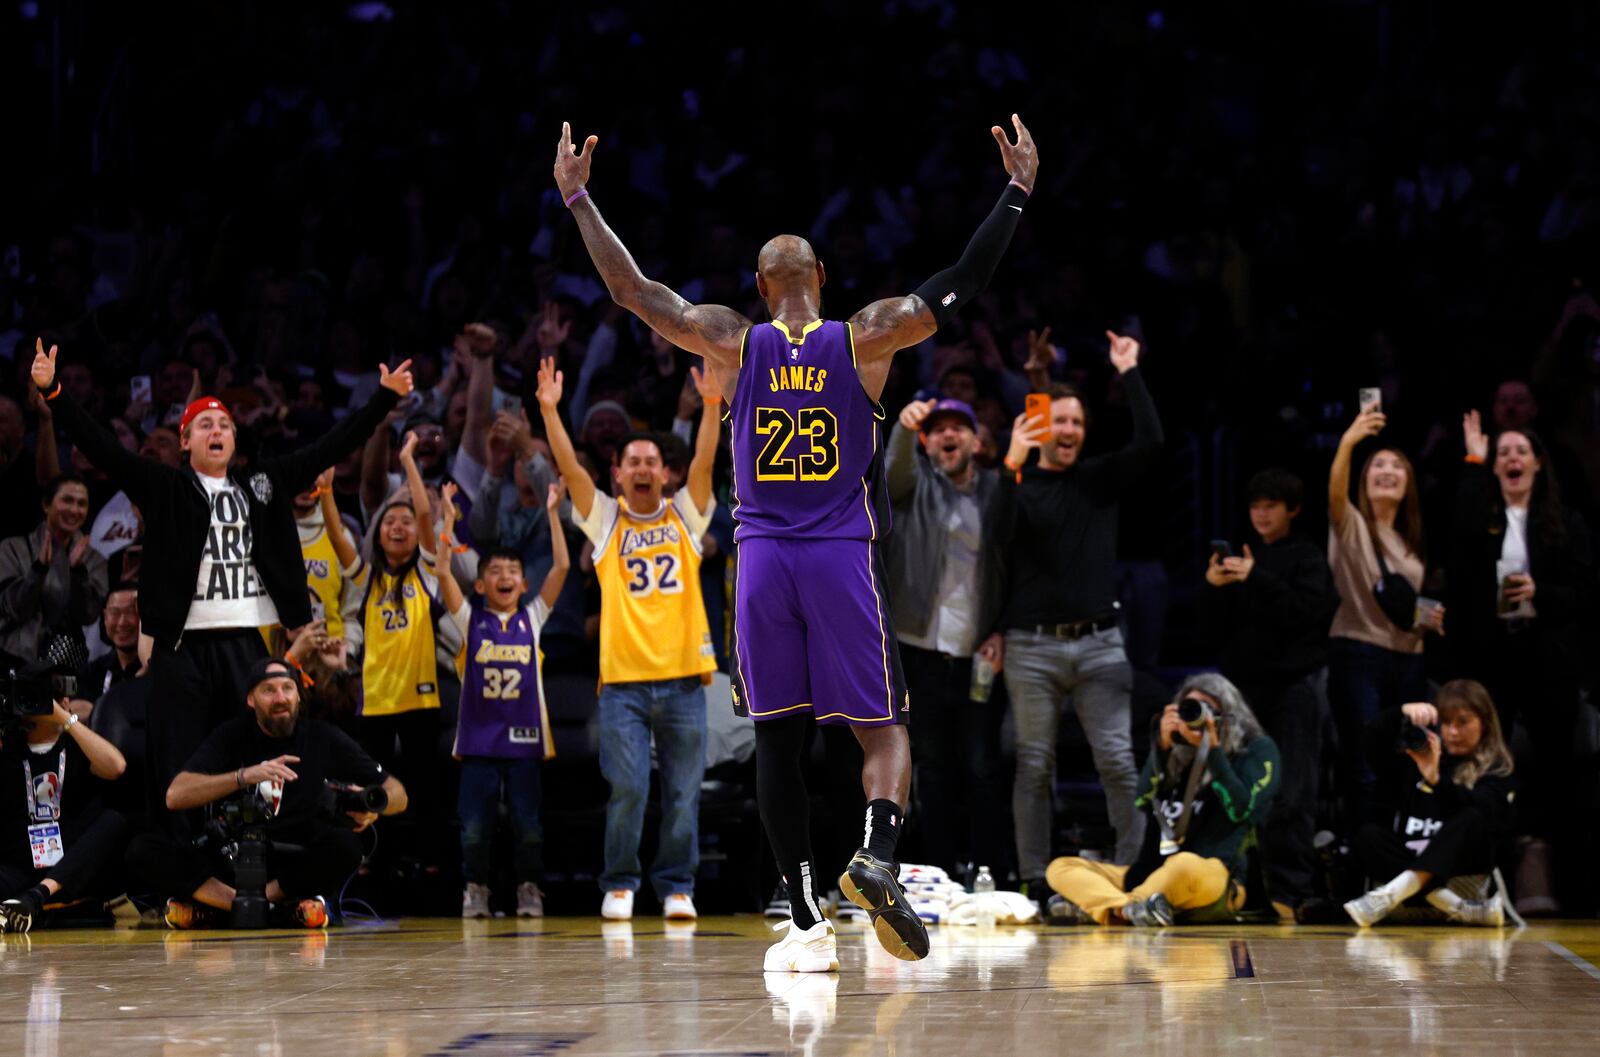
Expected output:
(1271, 609)
(222, 558)
(1062, 636)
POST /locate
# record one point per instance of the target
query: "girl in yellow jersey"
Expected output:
(655, 646)
(394, 619)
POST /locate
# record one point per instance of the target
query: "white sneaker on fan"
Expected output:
(679, 907)
(813, 950)
(617, 905)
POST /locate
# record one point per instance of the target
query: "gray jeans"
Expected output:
(1041, 673)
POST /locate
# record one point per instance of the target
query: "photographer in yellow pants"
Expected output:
(1208, 781)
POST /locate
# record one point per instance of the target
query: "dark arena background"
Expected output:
(1291, 572)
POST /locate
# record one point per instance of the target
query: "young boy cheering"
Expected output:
(503, 732)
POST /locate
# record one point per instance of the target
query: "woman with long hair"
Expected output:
(1521, 576)
(1451, 785)
(1375, 548)
(1208, 782)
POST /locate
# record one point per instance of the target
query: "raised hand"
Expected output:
(397, 381)
(1367, 424)
(1124, 352)
(409, 448)
(552, 332)
(915, 413)
(325, 481)
(707, 383)
(1021, 160)
(447, 500)
(1472, 431)
(550, 381)
(1041, 354)
(558, 492)
(1025, 436)
(572, 167)
(480, 339)
(44, 366)
(80, 550)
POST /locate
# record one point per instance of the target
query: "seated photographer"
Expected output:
(1447, 768)
(291, 771)
(60, 844)
(1208, 781)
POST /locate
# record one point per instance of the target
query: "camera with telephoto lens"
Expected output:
(1194, 712)
(33, 689)
(1412, 737)
(239, 832)
(339, 799)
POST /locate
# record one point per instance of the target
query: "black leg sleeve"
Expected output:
(786, 811)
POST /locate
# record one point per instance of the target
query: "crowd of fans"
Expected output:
(380, 193)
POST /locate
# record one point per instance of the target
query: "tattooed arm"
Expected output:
(711, 331)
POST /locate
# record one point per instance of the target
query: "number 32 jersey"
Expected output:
(652, 614)
(806, 458)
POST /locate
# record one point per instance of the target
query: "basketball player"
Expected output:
(811, 626)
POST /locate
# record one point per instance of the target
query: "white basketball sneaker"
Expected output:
(813, 950)
(679, 907)
(617, 905)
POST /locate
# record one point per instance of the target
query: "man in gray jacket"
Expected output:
(945, 585)
(51, 581)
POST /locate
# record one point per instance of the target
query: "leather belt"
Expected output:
(1077, 629)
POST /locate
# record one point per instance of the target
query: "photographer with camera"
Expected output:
(1209, 780)
(1449, 772)
(60, 844)
(293, 792)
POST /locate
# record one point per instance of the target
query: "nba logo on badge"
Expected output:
(262, 487)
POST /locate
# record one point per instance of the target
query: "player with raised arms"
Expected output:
(812, 633)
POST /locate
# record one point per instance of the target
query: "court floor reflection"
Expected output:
(586, 987)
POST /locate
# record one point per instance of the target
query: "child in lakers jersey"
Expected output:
(503, 732)
(655, 646)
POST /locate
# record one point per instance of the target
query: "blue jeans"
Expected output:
(482, 779)
(675, 711)
(1364, 681)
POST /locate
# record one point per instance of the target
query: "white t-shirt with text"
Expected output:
(228, 592)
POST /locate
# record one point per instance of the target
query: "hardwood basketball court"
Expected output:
(583, 987)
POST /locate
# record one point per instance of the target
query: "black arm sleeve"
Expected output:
(949, 291)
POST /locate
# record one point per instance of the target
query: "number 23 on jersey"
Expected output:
(780, 427)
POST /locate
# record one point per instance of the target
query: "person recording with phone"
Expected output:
(1375, 548)
(1271, 607)
(945, 583)
(1521, 583)
(61, 843)
(1063, 638)
(1208, 782)
(1446, 771)
(302, 774)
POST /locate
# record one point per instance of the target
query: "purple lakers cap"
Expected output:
(947, 406)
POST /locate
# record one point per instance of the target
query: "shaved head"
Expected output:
(786, 260)
(787, 267)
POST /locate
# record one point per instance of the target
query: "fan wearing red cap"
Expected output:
(206, 433)
(222, 557)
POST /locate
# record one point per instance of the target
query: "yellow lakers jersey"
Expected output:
(324, 581)
(399, 672)
(652, 616)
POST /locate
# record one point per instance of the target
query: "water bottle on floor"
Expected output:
(983, 893)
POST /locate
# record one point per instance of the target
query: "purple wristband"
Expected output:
(582, 192)
(1025, 189)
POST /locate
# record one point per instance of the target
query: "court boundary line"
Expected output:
(1582, 963)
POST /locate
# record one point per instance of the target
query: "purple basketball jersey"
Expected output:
(806, 458)
(502, 696)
